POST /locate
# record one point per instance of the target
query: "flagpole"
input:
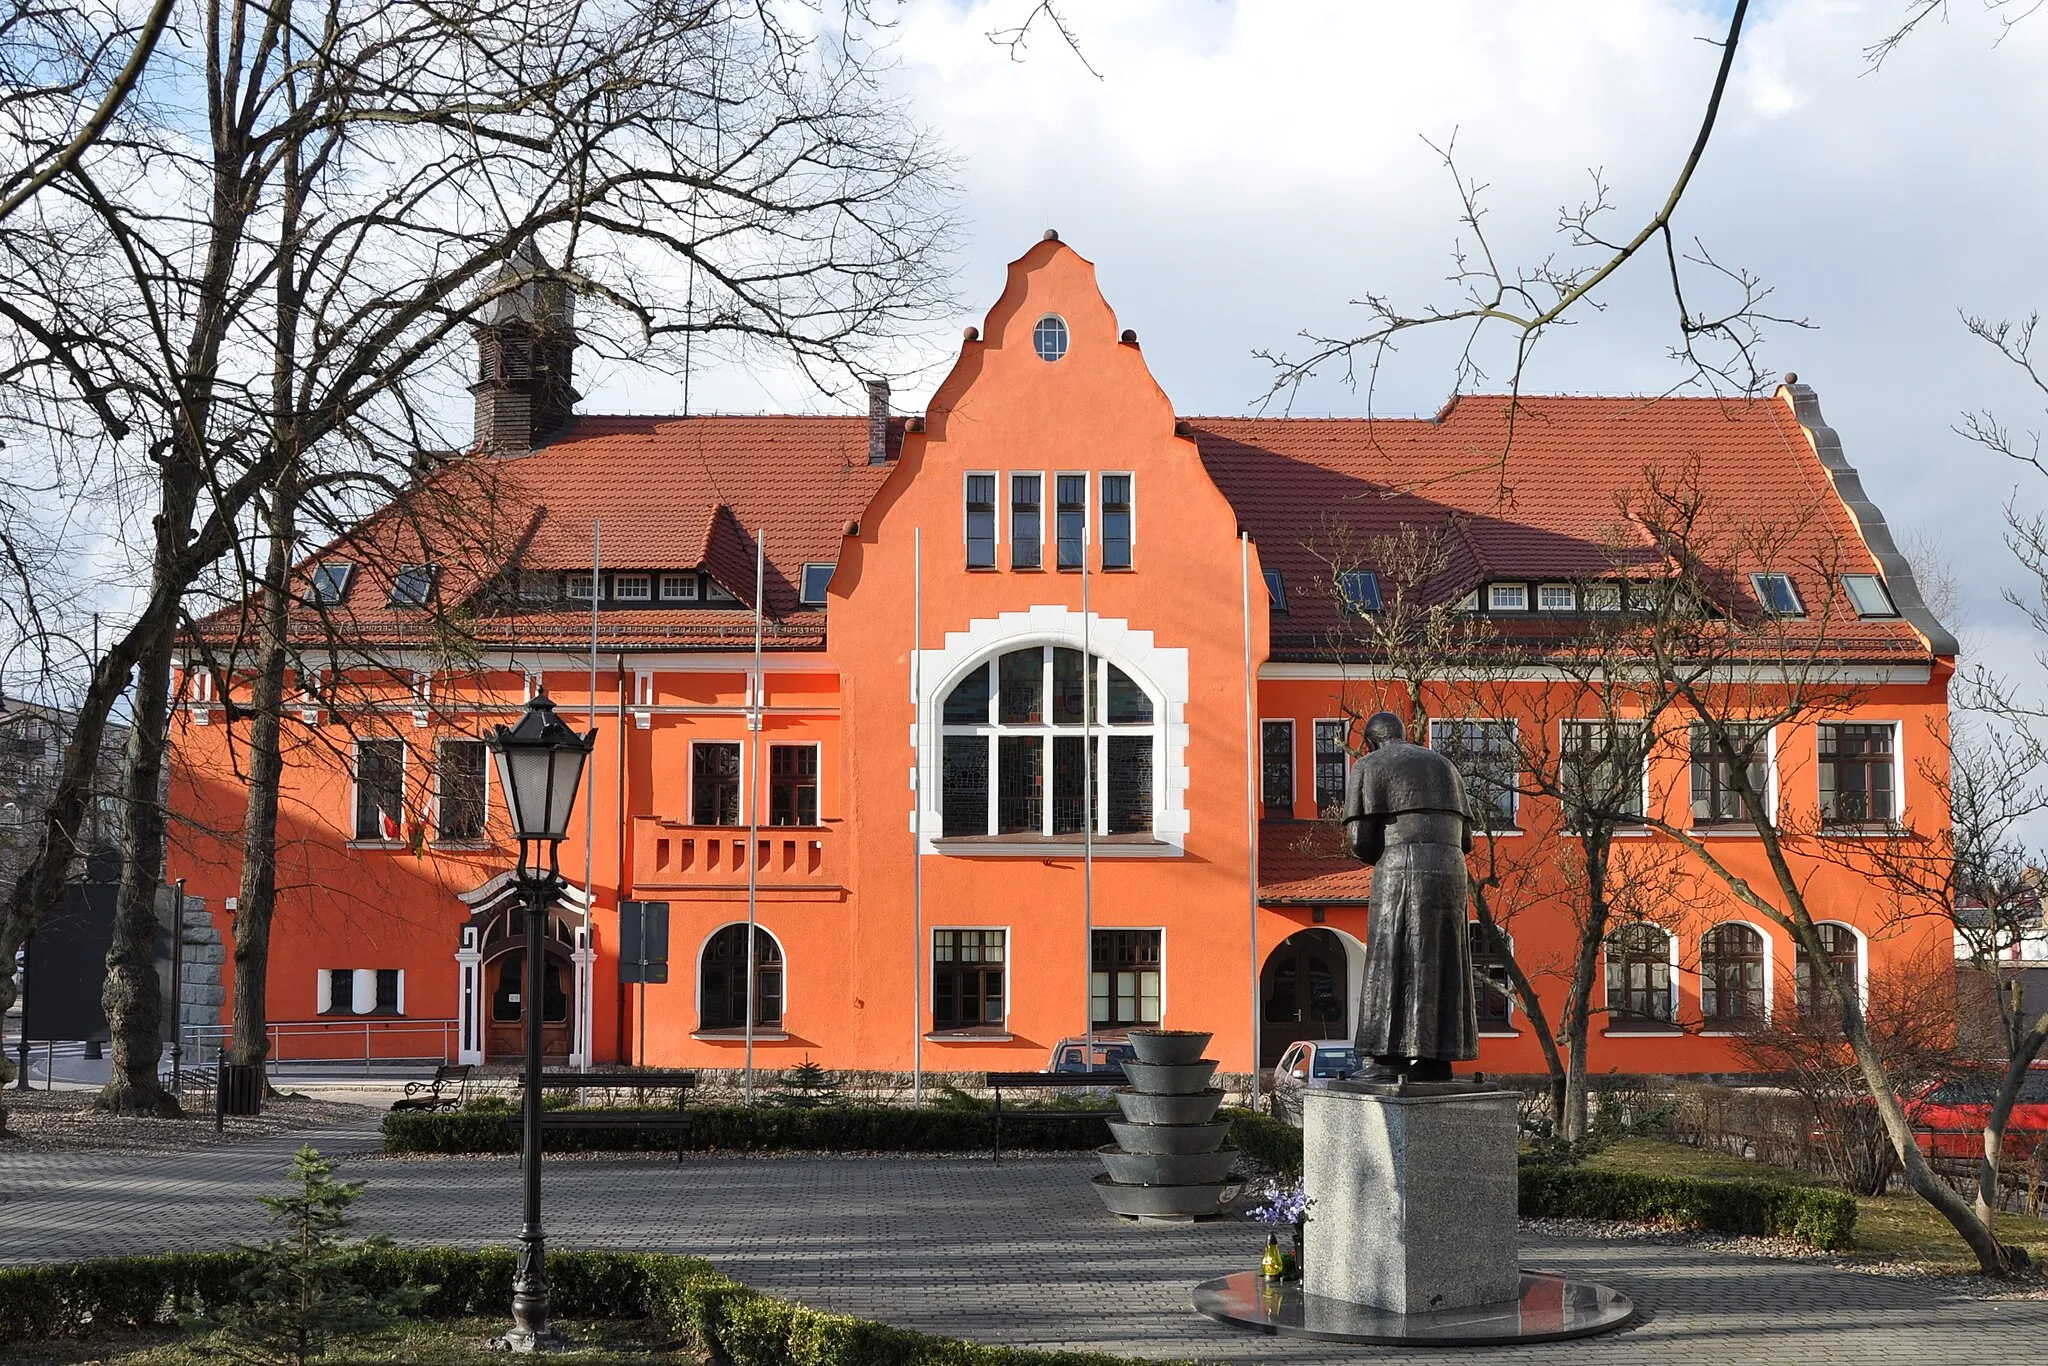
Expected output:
(917, 815)
(753, 807)
(589, 808)
(1251, 796)
(1088, 818)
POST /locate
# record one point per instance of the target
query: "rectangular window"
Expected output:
(413, 587)
(817, 580)
(1507, 597)
(792, 784)
(1856, 774)
(1071, 518)
(1020, 679)
(1020, 800)
(388, 1002)
(715, 783)
(631, 587)
(1276, 591)
(1715, 798)
(1601, 768)
(981, 521)
(1603, 597)
(1124, 983)
(964, 785)
(341, 992)
(1116, 521)
(1333, 764)
(1491, 987)
(1027, 537)
(1130, 784)
(678, 587)
(539, 585)
(1557, 597)
(1868, 596)
(1276, 767)
(967, 979)
(1072, 801)
(380, 789)
(329, 584)
(1484, 752)
(459, 800)
(580, 587)
(1639, 976)
(1777, 596)
(1358, 591)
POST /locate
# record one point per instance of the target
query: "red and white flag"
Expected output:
(389, 828)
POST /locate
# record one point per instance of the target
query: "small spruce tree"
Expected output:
(805, 1086)
(301, 1295)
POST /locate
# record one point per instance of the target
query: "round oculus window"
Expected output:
(1049, 337)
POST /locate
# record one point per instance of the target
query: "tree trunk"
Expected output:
(131, 996)
(257, 899)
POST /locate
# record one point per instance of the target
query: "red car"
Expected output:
(1948, 1117)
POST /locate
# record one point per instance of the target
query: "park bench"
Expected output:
(640, 1117)
(434, 1095)
(1104, 1079)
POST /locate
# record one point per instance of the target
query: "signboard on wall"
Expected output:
(643, 941)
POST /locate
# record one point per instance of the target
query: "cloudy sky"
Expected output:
(1242, 170)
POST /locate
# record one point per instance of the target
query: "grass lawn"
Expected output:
(452, 1343)
(1889, 1228)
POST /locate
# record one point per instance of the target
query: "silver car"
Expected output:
(1304, 1067)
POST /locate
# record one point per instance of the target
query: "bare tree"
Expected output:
(286, 289)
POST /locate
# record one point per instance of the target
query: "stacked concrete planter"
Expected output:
(1168, 1161)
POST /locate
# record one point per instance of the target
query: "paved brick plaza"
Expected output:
(1021, 1254)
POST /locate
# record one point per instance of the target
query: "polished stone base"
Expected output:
(1548, 1308)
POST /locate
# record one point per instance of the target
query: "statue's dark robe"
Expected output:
(1417, 1000)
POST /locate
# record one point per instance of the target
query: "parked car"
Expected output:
(1074, 1055)
(1948, 1117)
(1306, 1067)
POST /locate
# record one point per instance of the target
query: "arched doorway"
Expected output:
(1304, 993)
(505, 1003)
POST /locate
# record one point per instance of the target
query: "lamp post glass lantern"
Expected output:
(540, 764)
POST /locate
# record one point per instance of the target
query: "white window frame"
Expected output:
(639, 579)
(803, 580)
(1742, 828)
(993, 1033)
(1671, 988)
(690, 783)
(1898, 816)
(1468, 603)
(1507, 597)
(1862, 959)
(1343, 735)
(539, 585)
(1604, 596)
(315, 597)
(768, 749)
(1293, 763)
(1159, 930)
(1514, 826)
(1649, 744)
(684, 584)
(1009, 511)
(323, 993)
(1066, 334)
(482, 835)
(996, 506)
(1088, 494)
(1131, 507)
(1770, 977)
(716, 592)
(1756, 587)
(1275, 601)
(697, 985)
(355, 770)
(1570, 594)
(1508, 1031)
(1880, 587)
(579, 585)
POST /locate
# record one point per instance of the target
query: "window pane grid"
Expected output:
(1639, 974)
(1025, 514)
(1484, 752)
(981, 521)
(1732, 975)
(1715, 800)
(1116, 521)
(1276, 766)
(460, 814)
(967, 978)
(1855, 773)
(1071, 518)
(715, 784)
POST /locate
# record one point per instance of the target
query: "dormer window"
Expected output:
(330, 582)
(1868, 596)
(678, 587)
(1359, 591)
(1777, 596)
(1507, 597)
(1276, 590)
(539, 585)
(413, 586)
(1557, 597)
(581, 587)
(1603, 597)
(714, 591)
(632, 587)
(817, 578)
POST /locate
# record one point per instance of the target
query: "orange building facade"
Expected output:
(898, 781)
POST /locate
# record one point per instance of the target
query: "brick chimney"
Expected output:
(526, 354)
(878, 422)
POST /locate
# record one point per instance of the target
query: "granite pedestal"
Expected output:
(1414, 1197)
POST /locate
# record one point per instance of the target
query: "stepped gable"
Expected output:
(1545, 511)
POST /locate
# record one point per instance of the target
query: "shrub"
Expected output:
(1818, 1217)
(1266, 1141)
(834, 1129)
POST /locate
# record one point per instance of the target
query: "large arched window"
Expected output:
(1012, 756)
(1639, 977)
(724, 984)
(1732, 976)
(1839, 943)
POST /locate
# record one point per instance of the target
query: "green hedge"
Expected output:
(720, 1319)
(833, 1129)
(1266, 1141)
(1814, 1215)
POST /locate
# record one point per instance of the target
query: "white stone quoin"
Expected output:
(1414, 1199)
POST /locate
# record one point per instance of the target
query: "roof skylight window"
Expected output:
(413, 586)
(817, 578)
(1049, 337)
(1276, 590)
(1776, 594)
(1868, 596)
(1359, 590)
(330, 582)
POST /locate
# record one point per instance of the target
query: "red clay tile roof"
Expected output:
(1306, 862)
(1547, 510)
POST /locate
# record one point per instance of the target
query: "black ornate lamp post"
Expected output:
(540, 765)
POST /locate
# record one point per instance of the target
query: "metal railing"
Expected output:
(357, 1037)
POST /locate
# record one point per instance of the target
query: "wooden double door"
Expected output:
(506, 1007)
